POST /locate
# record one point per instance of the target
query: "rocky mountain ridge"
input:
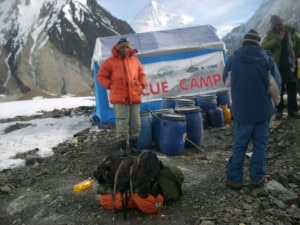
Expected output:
(52, 52)
(260, 21)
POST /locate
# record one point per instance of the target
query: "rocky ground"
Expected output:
(42, 191)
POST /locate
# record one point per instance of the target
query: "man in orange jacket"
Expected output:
(124, 76)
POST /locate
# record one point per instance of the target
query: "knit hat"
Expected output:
(275, 20)
(252, 36)
(123, 42)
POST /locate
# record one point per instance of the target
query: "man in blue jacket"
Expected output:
(249, 72)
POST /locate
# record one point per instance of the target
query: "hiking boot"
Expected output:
(294, 115)
(123, 148)
(233, 185)
(278, 115)
(261, 182)
(133, 147)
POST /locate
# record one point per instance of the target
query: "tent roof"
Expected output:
(161, 42)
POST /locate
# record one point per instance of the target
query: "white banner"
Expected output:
(183, 77)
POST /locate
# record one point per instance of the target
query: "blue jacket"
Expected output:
(248, 68)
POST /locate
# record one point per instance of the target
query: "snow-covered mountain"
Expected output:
(260, 21)
(154, 17)
(48, 44)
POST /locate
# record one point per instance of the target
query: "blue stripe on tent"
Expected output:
(103, 111)
(224, 57)
(176, 56)
(152, 106)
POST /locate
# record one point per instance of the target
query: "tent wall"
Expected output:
(179, 62)
(103, 110)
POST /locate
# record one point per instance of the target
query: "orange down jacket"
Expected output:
(125, 78)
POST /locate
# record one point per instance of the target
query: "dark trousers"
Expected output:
(291, 89)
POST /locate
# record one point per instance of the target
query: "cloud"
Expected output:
(223, 15)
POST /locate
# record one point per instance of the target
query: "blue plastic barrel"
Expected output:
(215, 116)
(168, 102)
(194, 125)
(206, 100)
(204, 119)
(223, 97)
(144, 140)
(156, 118)
(172, 133)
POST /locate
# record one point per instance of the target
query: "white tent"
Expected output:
(178, 62)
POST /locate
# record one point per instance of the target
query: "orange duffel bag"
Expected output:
(107, 202)
(149, 205)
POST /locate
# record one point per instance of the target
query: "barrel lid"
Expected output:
(173, 116)
(221, 91)
(145, 112)
(187, 109)
(208, 96)
(169, 97)
(185, 100)
(165, 110)
(188, 97)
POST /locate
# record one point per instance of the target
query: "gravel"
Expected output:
(42, 191)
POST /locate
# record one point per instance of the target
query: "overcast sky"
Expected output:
(222, 14)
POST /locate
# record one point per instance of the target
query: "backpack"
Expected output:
(121, 179)
(170, 179)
